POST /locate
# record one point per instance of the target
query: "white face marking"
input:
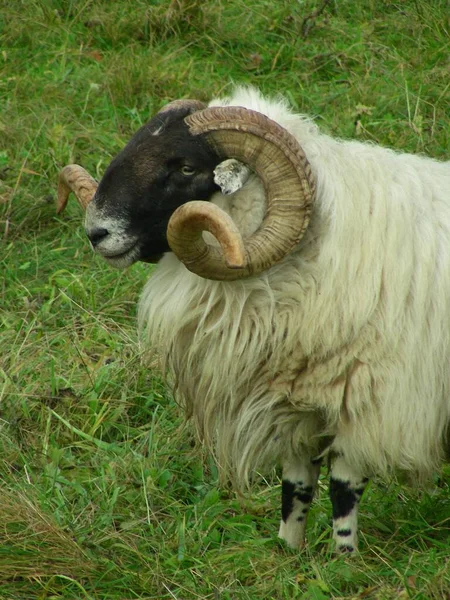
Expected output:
(118, 248)
(158, 130)
(230, 175)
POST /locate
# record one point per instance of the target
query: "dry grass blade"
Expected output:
(32, 545)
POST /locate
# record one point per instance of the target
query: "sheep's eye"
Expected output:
(187, 171)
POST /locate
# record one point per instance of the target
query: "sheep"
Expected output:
(304, 315)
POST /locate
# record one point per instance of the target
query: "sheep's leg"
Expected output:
(297, 491)
(346, 488)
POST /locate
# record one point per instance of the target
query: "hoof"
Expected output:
(345, 549)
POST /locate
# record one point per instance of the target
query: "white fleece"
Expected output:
(348, 336)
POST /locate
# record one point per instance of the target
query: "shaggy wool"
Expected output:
(346, 341)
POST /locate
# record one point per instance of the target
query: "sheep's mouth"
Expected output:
(123, 259)
(131, 256)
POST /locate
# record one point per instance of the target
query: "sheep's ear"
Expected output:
(230, 175)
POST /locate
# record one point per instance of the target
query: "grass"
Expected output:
(105, 493)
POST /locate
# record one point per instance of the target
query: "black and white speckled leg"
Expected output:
(346, 488)
(298, 485)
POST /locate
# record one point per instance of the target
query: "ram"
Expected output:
(304, 315)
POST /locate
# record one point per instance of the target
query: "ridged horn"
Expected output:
(74, 178)
(275, 155)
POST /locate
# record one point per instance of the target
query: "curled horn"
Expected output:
(275, 155)
(74, 178)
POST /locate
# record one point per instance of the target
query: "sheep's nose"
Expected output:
(96, 235)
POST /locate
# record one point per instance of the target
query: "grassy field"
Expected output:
(104, 492)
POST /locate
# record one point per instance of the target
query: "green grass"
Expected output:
(105, 493)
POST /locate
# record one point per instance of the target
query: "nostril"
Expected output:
(97, 235)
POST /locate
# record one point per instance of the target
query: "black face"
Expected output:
(162, 167)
